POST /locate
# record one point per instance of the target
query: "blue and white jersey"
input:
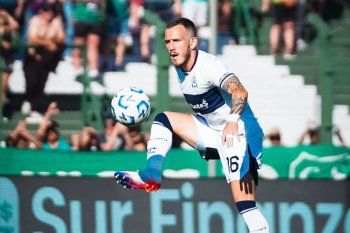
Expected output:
(201, 87)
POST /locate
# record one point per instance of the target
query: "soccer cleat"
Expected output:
(132, 180)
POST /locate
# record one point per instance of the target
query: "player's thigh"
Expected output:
(184, 126)
(239, 169)
(243, 190)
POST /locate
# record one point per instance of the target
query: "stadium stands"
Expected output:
(279, 98)
(283, 93)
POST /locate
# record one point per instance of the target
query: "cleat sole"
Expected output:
(128, 182)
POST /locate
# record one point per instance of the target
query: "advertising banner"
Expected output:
(96, 205)
(301, 162)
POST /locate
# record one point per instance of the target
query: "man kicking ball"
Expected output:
(224, 125)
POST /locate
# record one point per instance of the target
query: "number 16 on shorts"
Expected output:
(232, 163)
(232, 160)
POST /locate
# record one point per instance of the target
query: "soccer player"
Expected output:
(224, 125)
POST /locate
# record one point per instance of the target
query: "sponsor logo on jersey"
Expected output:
(204, 104)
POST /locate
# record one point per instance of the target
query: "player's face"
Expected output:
(180, 44)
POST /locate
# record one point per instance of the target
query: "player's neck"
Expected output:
(191, 61)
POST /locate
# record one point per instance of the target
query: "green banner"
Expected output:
(306, 162)
(302, 162)
(70, 163)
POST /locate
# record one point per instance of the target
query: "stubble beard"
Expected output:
(187, 58)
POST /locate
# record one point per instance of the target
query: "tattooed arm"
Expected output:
(233, 86)
(239, 95)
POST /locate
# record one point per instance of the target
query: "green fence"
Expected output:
(302, 162)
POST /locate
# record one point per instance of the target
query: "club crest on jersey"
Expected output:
(194, 82)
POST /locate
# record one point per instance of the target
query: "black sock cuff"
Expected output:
(245, 206)
(163, 120)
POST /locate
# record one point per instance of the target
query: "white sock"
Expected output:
(157, 147)
(255, 221)
(160, 140)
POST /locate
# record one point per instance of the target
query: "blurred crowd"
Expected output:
(311, 136)
(55, 30)
(290, 30)
(114, 137)
(44, 32)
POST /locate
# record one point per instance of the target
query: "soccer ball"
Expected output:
(130, 106)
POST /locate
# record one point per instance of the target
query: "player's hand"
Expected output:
(230, 133)
(246, 183)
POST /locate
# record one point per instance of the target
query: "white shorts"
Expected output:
(237, 160)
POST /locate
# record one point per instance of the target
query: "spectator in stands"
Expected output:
(31, 8)
(284, 16)
(138, 139)
(300, 25)
(312, 135)
(89, 140)
(75, 141)
(165, 9)
(88, 28)
(226, 21)
(46, 33)
(22, 138)
(115, 136)
(49, 131)
(274, 137)
(52, 139)
(13, 7)
(339, 135)
(118, 29)
(196, 11)
(67, 7)
(8, 27)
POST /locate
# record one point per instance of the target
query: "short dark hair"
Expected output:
(188, 24)
(46, 7)
(52, 127)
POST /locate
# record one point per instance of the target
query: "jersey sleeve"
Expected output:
(215, 71)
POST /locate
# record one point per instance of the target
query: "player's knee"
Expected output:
(162, 118)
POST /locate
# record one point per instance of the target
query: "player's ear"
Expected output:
(193, 42)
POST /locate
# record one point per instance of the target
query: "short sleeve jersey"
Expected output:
(202, 88)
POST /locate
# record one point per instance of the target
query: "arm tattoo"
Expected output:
(239, 95)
